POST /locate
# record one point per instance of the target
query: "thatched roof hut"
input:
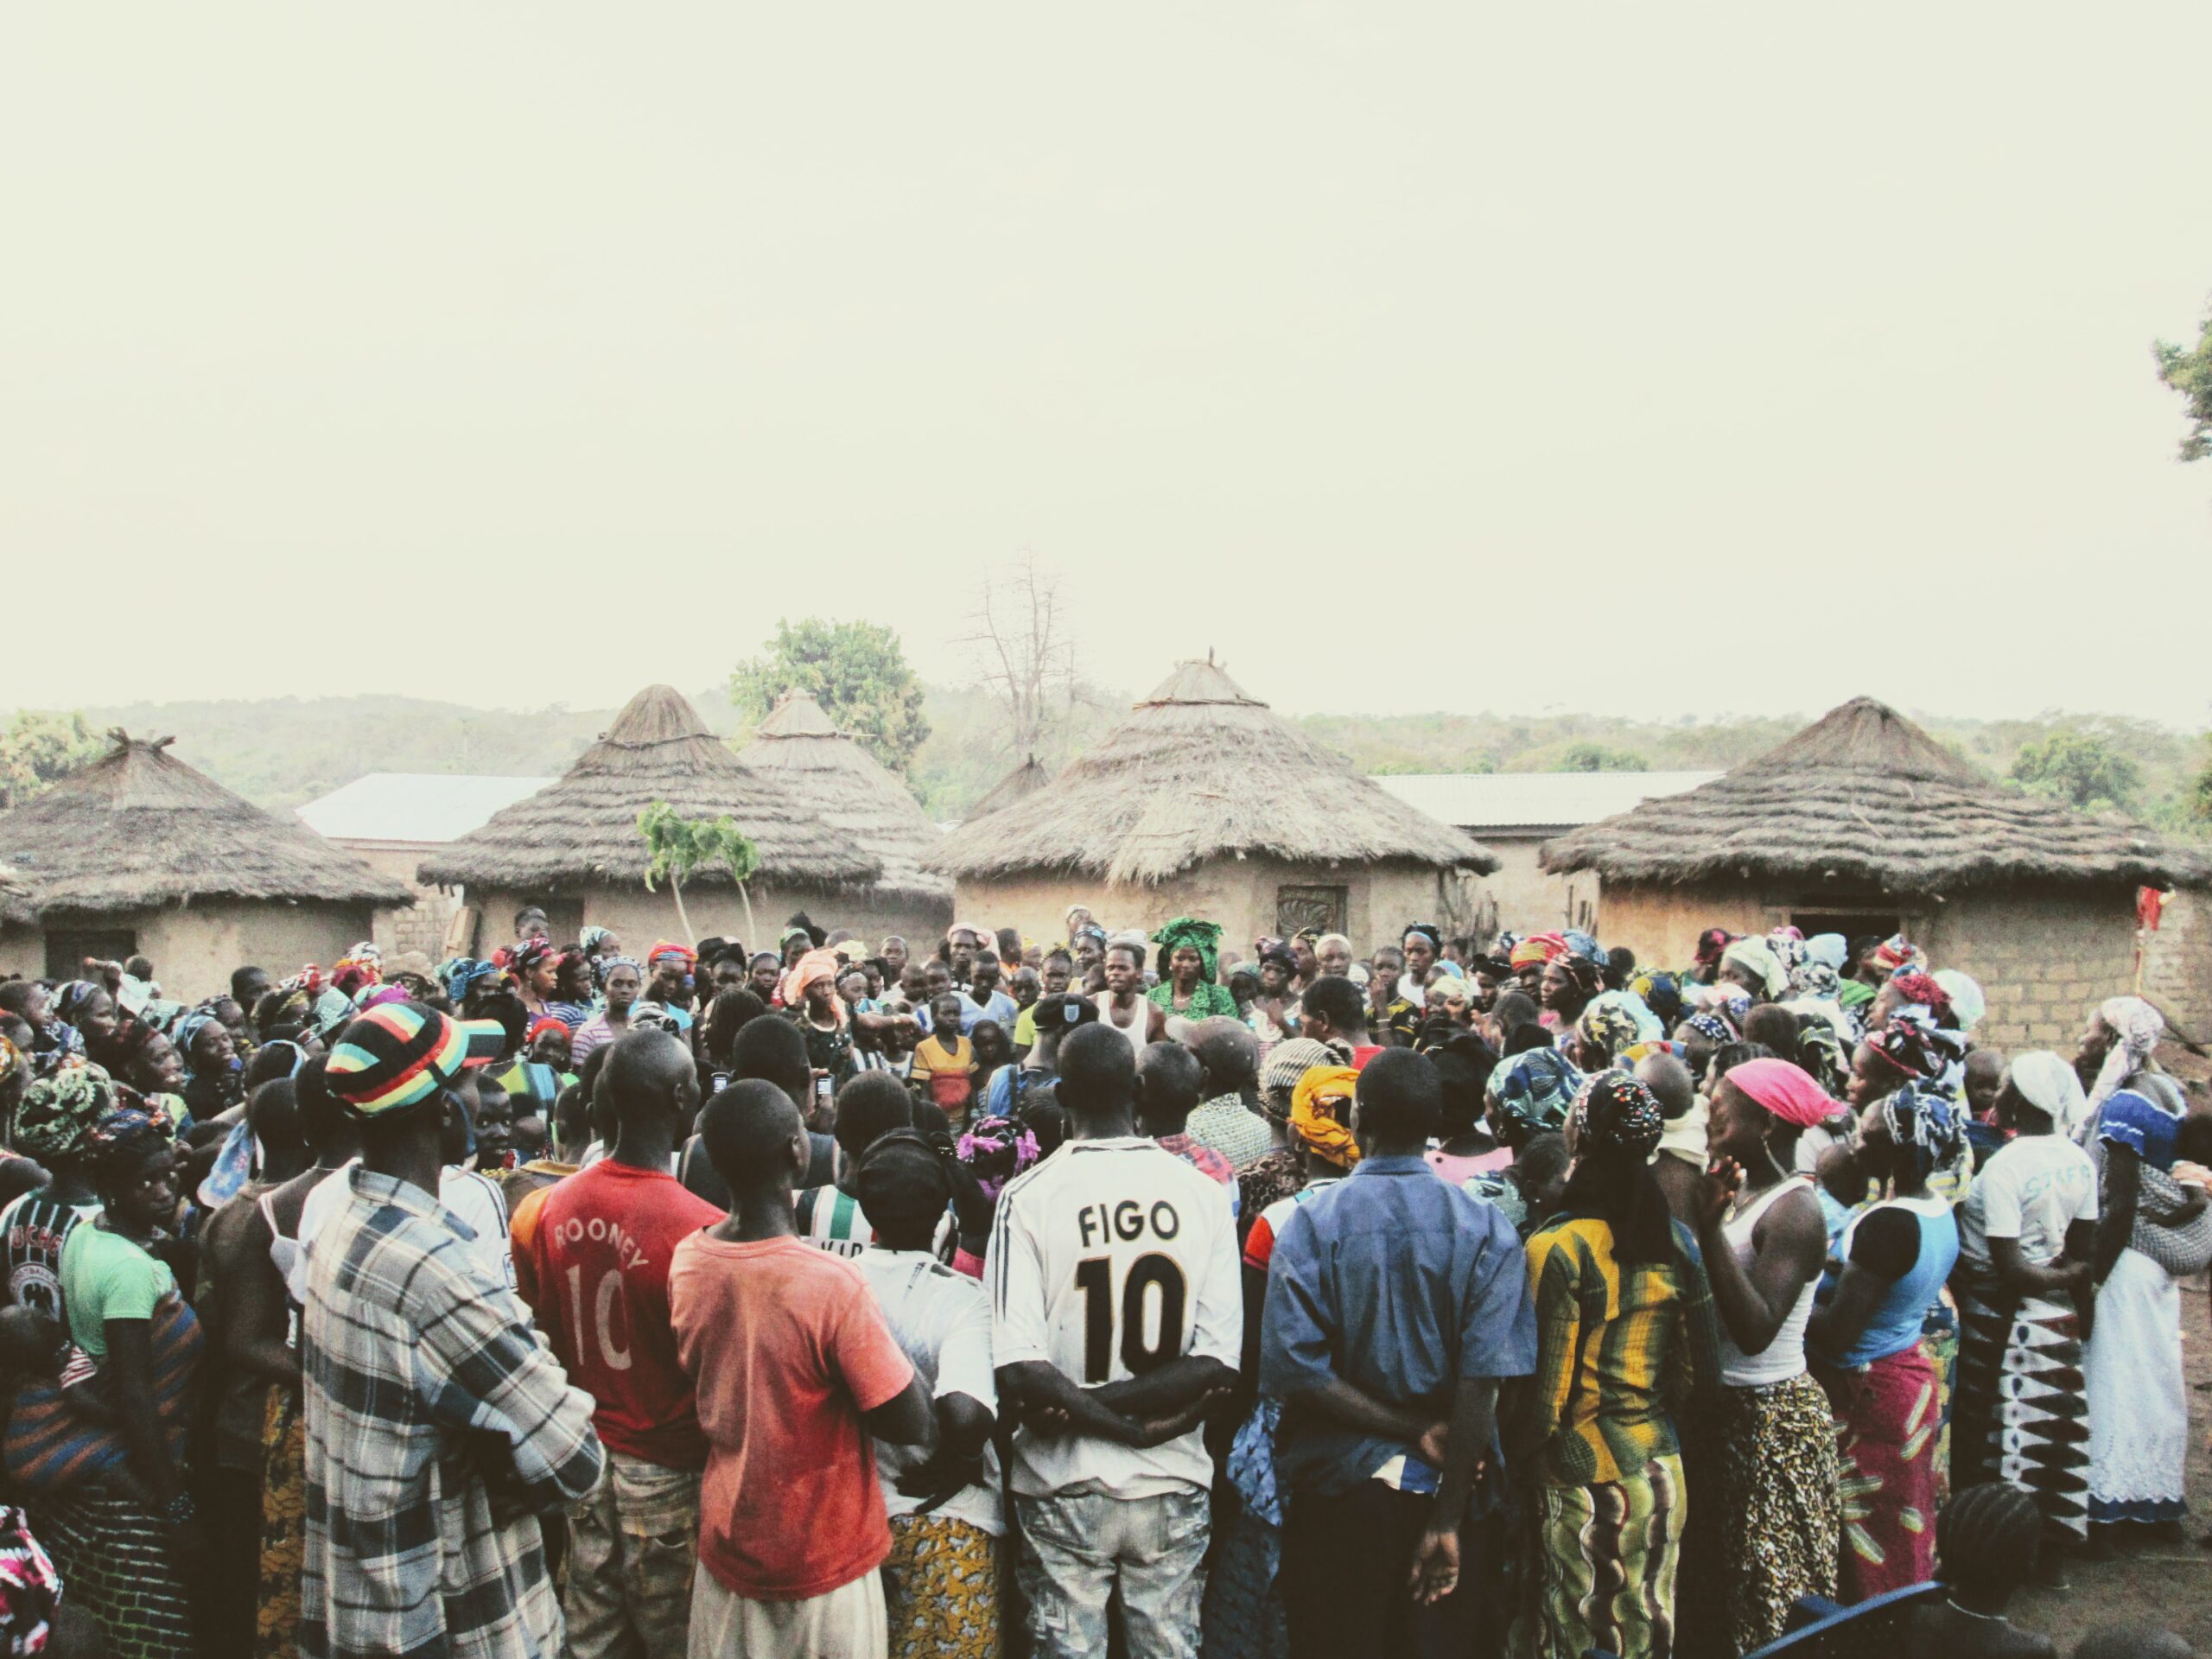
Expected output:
(138, 827)
(581, 829)
(1204, 799)
(140, 853)
(1199, 771)
(1019, 785)
(1862, 824)
(1864, 796)
(841, 783)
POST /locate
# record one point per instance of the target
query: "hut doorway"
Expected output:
(1851, 924)
(67, 950)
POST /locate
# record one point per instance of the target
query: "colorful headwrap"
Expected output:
(996, 1149)
(1585, 946)
(1537, 949)
(1661, 992)
(608, 964)
(1581, 973)
(1853, 994)
(1914, 987)
(1615, 1112)
(664, 948)
(1286, 1062)
(1968, 1003)
(1536, 1087)
(1784, 1089)
(592, 937)
(540, 1027)
(1814, 979)
(1320, 1114)
(1820, 1051)
(122, 1136)
(400, 1054)
(526, 957)
(461, 975)
(814, 968)
(187, 1031)
(1617, 1020)
(1922, 1122)
(57, 1113)
(1915, 1046)
(1205, 937)
(2136, 1027)
(1896, 954)
(1757, 956)
(1711, 1027)
(71, 997)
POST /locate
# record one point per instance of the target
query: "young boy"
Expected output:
(1986, 1549)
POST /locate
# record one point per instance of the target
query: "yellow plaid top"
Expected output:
(1618, 1351)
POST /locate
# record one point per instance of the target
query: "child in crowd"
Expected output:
(944, 1068)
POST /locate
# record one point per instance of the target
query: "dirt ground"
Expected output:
(2161, 1584)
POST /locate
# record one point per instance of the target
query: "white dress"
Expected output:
(2138, 1400)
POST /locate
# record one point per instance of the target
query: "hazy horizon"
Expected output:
(1411, 357)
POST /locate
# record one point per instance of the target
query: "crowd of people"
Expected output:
(1112, 1293)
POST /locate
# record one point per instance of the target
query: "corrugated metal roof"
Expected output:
(414, 806)
(1536, 800)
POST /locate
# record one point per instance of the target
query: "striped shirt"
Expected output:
(414, 1361)
(830, 1219)
(1617, 1350)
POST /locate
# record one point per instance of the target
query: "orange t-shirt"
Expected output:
(950, 1073)
(787, 1349)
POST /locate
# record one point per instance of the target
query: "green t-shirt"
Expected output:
(104, 1276)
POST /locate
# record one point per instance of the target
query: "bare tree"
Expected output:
(1025, 650)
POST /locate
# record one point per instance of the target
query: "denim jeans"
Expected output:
(631, 1547)
(1077, 1545)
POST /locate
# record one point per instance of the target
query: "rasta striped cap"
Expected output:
(400, 1053)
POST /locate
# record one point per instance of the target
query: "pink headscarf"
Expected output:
(1785, 1090)
(815, 964)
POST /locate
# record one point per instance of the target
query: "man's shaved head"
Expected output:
(1230, 1053)
(753, 1136)
(1670, 1080)
(647, 1073)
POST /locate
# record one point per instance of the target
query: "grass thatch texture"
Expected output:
(836, 781)
(1019, 785)
(1864, 796)
(1199, 771)
(139, 828)
(582, 829)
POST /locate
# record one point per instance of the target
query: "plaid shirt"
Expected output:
(406, 1346)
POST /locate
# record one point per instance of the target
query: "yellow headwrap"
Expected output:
(1322, 1093)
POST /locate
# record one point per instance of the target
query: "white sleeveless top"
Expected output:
(1783, 1357)
(1141, 1016)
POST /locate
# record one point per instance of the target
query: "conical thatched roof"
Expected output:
(1865, 796)
(1199, 771)
(1019, 785)
(842, 784)
(138, 827)
(581, 828)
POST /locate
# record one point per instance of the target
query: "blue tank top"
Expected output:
(1897, 1322)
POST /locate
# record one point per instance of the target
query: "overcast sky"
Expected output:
(1656, 359)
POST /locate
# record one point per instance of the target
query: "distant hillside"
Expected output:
(283, 751)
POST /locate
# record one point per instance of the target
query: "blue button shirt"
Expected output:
(1401, 1284)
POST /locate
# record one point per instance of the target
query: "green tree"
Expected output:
(40, 748)
(2189, 373)
(2080, 768)
(855, 670)
(1596, 757)
(679, 847)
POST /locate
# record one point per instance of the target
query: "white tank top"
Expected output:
(1140, 1016)
(1783, 1357)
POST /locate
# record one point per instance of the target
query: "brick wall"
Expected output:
(2178, 961)
(2045, 958)
(421, 926)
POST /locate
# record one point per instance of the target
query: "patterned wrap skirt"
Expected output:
(2021, 1412)
(941, 1589)
(1888, 1420)
(1771, 1529)
(1603, 1569)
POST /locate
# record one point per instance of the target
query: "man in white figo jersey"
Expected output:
(1116, 1324)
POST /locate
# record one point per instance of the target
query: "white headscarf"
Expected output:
(1968, 1003)
(2136, 1027)
(2048, 1083)
(1755, 955)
